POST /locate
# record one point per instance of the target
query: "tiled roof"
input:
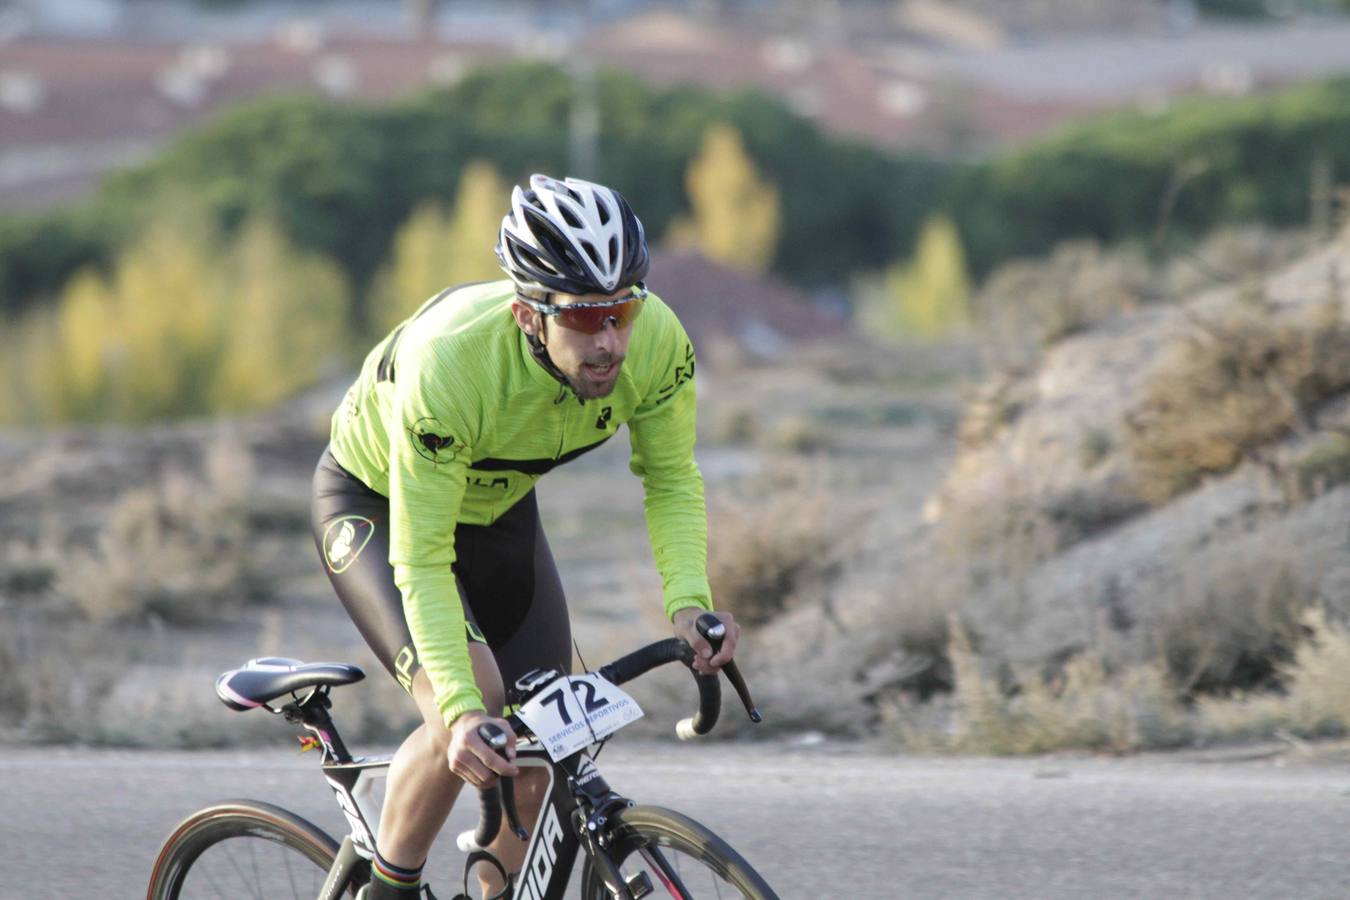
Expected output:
(716, 302)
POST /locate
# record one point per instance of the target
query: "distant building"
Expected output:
(916, 74)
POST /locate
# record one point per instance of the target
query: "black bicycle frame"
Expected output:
(579, 805)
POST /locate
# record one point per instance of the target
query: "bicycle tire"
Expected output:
(180, 862)
(643, 827)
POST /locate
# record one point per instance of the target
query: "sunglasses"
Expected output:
(591, 318)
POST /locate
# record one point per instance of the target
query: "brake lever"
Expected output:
(495, 738)
(714, 631)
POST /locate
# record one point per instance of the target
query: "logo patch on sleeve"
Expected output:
(432, 440)
(344, 540)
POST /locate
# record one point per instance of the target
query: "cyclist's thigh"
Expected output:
(350, 523)
(512, 584)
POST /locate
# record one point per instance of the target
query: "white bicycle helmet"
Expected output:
(571, 236)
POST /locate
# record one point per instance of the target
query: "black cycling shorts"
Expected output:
(508, 582)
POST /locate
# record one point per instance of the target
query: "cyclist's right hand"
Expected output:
(471, 758)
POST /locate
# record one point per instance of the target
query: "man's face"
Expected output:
(590, 362)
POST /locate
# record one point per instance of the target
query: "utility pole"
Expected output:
(421, 17)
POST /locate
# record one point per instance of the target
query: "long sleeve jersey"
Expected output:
(454, 421)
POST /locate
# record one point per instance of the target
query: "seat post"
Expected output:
(312, 713)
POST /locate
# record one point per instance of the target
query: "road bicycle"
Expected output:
(250, 849)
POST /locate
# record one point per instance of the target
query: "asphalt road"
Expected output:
(818, 821)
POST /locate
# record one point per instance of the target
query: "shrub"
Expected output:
(1232, 382)
(1235, 621)
(56, 680)
(176, 550)
(771, 552)
(1082, 705)
(1323, 464)
(1312, 701)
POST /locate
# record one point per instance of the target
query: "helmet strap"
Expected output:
(540, 353)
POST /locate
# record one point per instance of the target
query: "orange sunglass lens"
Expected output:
(590, 319)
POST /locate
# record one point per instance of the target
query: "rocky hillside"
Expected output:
(1171, 484)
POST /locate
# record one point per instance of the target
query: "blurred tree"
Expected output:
(167, 306)
(934, 293)
(76, 378)
(927, 297)
(735, 211)
(182, 326)
(433, 251)
(340, 179)
(286, 324)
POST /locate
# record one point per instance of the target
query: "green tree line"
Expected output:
(377, 208)
(340, 179)
(1160, 177)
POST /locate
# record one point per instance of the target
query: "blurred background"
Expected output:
(1023, 333)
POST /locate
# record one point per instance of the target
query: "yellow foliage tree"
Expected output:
(74, 382)
(735, 211)
(928, 296)
(178, 329)
(167, 305)
(433, 251)
(287, 319)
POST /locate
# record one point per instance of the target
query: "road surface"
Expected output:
(819, 820)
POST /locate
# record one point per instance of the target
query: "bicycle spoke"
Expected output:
(219, 892)
(267, 873)
(290, 876)
(229, 857)
(253, 858)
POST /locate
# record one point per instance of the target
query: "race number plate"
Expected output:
(576, 711)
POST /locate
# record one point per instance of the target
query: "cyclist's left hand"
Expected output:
(704, 661)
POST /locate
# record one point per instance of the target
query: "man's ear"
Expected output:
(526, 318)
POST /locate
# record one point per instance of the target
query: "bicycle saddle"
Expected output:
(261, 680)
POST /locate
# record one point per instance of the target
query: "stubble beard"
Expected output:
(585, 389)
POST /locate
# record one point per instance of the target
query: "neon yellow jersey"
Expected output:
(454, 421)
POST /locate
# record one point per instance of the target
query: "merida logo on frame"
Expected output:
(539, 869)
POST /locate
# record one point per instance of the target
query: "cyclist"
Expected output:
(424, 509)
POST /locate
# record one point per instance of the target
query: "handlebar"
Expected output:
(624, 669)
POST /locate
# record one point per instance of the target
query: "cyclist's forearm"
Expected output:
(677, 526)
(435, 617)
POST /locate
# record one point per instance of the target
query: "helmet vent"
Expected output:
(603, 209)
(613, 247)
(570, 217)
(591, 252)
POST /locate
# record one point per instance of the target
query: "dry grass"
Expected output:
(1026, 305)
(56, 681)
(1236, 618)
(124, 687)
(1080, 706)
(1231, 383)
(777, 546)
(1086, 706)
(1321, 465)
(1313, 701)
(177, 550)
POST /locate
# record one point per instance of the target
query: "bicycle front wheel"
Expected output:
(245, 849)
(679, 857)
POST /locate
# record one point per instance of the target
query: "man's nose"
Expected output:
(607, 338)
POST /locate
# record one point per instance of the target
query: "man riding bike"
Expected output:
(424, 508)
